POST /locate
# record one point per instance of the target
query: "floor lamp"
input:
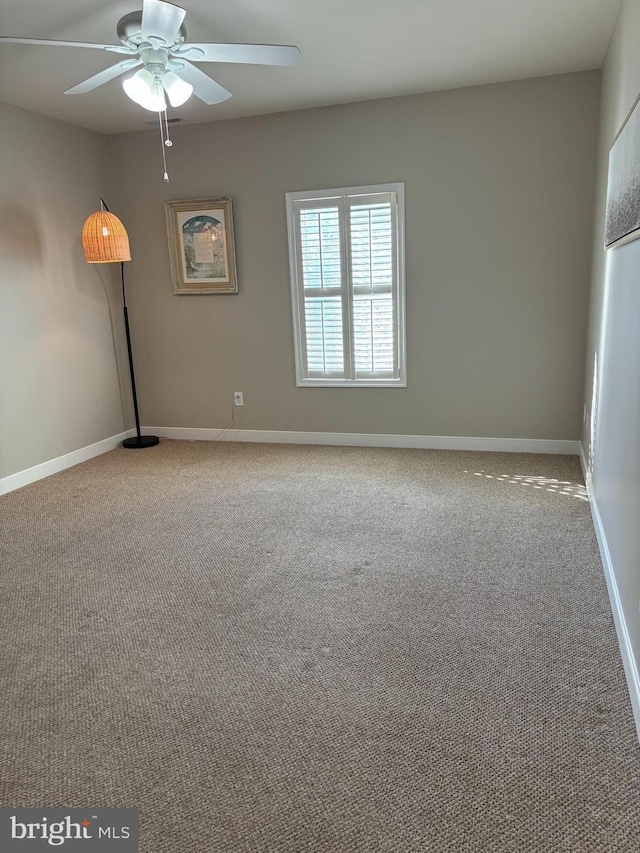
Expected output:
(105, 241)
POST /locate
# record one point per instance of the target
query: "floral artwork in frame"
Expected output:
(201, 245)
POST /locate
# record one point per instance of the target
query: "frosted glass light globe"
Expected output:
(178, 90)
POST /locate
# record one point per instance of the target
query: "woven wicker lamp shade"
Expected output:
(104, 239)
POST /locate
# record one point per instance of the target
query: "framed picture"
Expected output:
(623, 184)
(201, 245)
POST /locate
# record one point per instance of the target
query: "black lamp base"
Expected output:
(138, 442)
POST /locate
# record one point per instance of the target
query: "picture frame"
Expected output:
(622, 222)
(202, 251)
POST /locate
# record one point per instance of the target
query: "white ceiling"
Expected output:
(352, 50)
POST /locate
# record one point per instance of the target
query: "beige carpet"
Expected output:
(292, 649)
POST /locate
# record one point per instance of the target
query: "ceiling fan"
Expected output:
(155, 38)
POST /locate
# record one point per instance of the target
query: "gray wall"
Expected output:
(612, 432)
(59, 386)
(499, 201)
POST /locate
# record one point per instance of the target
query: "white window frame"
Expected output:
(297, 289)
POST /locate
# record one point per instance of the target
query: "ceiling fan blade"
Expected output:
(203, 86)
(103, 77)
(257, 54)
(161, 20)
(113, 47)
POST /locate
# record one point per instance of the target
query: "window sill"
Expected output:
(359, 383)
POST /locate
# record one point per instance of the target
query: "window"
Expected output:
(346, 253)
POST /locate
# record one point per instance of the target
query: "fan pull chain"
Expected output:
(167, 141)
(164, 159)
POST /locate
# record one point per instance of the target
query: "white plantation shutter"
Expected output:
(347, 286)
(321, 268)
(373, 272)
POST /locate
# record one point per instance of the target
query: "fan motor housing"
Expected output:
(129, 30)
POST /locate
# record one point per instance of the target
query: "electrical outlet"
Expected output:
(238, 399)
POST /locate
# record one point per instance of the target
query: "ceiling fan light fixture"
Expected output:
(155, 38)
(139, 85)
(178, 91)
(145, 90)
(155, 100)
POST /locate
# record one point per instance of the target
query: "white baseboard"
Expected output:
(349, 439)
(624, 641)
(356, 439)
(45, 469)
(583, 462)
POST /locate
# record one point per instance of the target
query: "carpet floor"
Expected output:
(290, 649)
